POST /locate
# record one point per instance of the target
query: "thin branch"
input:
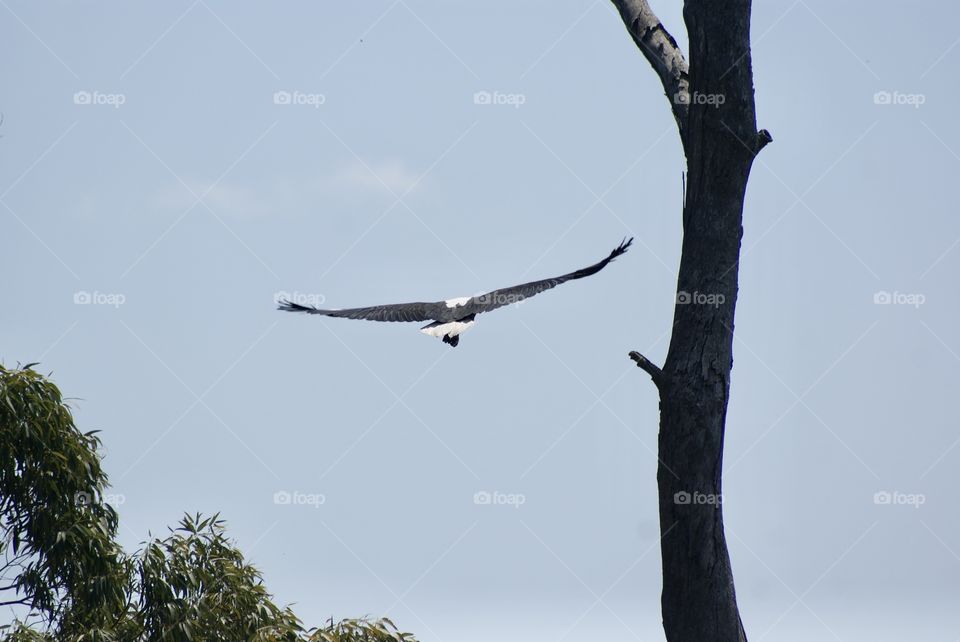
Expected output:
(647, 366)
(662, 52)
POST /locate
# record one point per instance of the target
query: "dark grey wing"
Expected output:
(393, 312)
(506, 296)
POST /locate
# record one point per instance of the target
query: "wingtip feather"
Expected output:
(622, 248)
(288, 306)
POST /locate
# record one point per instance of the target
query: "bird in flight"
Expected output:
(451, 318)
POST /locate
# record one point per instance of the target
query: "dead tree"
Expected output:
(713, 103)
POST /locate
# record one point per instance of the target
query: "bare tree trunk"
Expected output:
(713, 103)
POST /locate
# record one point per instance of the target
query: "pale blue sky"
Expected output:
(181, 198)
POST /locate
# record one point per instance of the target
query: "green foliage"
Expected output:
(56, 535)
(196, 583)
(23, 633)
(62, 563)
(382, 630)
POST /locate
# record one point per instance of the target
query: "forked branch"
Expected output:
(662, 52)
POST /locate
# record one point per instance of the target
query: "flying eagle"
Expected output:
(451, 318)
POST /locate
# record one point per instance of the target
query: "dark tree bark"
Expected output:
(713, 103)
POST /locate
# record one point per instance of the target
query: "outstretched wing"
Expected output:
(506, 296)
(393, 312)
